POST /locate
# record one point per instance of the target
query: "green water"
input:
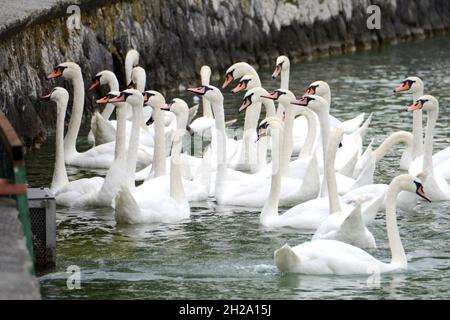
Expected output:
(223, 252)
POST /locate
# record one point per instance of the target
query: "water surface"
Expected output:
(223, 252)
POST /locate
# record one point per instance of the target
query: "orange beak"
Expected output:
(120, 98)
(229, 78)
(277, 72)
(103, 100)
(94, 84)
(55, 74)
(403, 87)
(245, 105)
(309, 92)
(199, 90)
(241, 86)
(271, 96)
(301, 102)
(415, 106)
(46, 97)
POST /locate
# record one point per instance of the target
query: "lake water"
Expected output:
(223, 252)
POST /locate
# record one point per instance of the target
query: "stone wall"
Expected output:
(176, 37)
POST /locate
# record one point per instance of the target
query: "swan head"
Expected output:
(411, 184)
(138, 78)
(252, 96)
(177, 106)
(154, 99)
(131, 96)
(132, 57)
(236, 71)
(283, 96)
(109, 95)
(205, 73)
(67, 70)
(314, 102)
(104, 77)
(58, 94)
(211, 93)
(283, 63)
(246, 82)
(318, 88)
(267, 125)
(426, 102)
(410, 85)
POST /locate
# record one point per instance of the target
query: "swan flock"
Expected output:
(299, 156)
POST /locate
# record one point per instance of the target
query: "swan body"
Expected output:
(101, 156)
(322, 257)
(347, 227)
(130, 208)
(436, 185)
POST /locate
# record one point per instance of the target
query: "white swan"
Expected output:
(437, 188)
(158, 207)
(441, 159)
(60, 181)
(197, 188)
(245, 158)
(101, 156)
(353, 140)
(320, 106)
(249, 192)
(347, 227)
(415, 86)
(102, 130)
(206, 121)
(323, 257)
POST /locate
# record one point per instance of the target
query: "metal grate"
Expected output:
(38, 229)
(43, 226)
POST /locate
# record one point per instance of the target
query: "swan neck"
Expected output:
(248, 147)
(392, 140)
(133, 145)
(59, 174)
(428, 152)
(109, 108)
(269, 105)
(395, 243)
(159, 155)
(270, 208)
(285, 79)
(207, 110)
(77, 114)
(417, 149)
(310, 139)
(330, 176)
(120, 150)
(287, 139)
(219, 117)
(176, 185)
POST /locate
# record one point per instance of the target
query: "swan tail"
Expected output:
(366, 175)
(102, 130)
(363, 130)
(363, 161)
(203, 173)
(286, 260)
(352, 125)
(349, 167)
(353, 230)
(126, 209)
(310, 188)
